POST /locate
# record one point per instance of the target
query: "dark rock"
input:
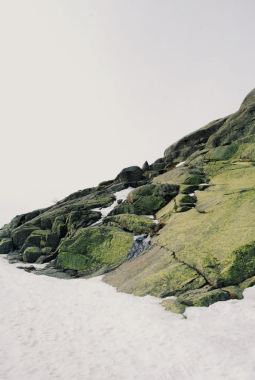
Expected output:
(82, 218)
(6, 246)
(14, 257)
(147, 199)
(20, 234)
(131, 176)
(29, 269)
(187, 189)
(5, 232)
(194, 141)
(31, 254)
(145, 166)
(203, 297)
(105, 184)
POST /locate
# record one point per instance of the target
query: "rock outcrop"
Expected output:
(185, 228)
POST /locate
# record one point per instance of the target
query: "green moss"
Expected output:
(42, 238)
(174, 306)
(203, 297)
(222, 153)
(147, 199)
(187, 189)
(235, 292)
(195, 179)
(239, 265)
(187, 199)
(59, 226)
(20, 234)
(95, 248)
(248, 283)
(6, 246)
(132, 223)
(31, 254)
(222, 223)
(155, 273)
(171, 280)
(81, 218)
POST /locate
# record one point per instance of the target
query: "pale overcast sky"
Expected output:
(88, 87)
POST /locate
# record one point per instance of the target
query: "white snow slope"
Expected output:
(84, 330)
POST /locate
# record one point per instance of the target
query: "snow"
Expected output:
(180, 164)
(85, 330)
(119, 195)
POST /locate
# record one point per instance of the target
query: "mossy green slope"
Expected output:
(95, 248)
(137, 224)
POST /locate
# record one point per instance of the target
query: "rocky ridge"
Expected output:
(181, 228)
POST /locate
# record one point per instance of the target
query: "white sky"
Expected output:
(88, 87)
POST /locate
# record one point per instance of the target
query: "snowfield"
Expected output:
(84, 330)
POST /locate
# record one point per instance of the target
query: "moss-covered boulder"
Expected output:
(20, 234)
(203, 297)
(174, 306)
(132, 176)
(185, 203)
(81, 218)
(235, 292)
(6, 246)
(5, 232)
(248, 283)
(238, 265)
(59, 226)
(147, 199)
(137, 224)
(95, 249)
(31, 254)
(41, 239)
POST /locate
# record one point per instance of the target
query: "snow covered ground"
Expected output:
(84, 330)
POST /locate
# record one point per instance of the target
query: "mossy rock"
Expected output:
(185, 203)
(195, 179)
(147, 199)
(6, 246)
(203, 297)
(248, 283)
(82, 218)
(41, 239)
(174, 306)
(37, 238)
(59, 227)
(5, 232)
(46, 251)
(20, 234)
(31, 254)
(95, 248)
(239, 265)
(235, 292)
(188, 189)
(130, 176)
(132, 223)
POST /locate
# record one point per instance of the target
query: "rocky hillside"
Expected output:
(183, 226)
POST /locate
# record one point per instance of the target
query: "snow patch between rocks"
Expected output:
(180, 164)
(105, 211)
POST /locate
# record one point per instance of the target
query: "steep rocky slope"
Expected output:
(183, 226)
